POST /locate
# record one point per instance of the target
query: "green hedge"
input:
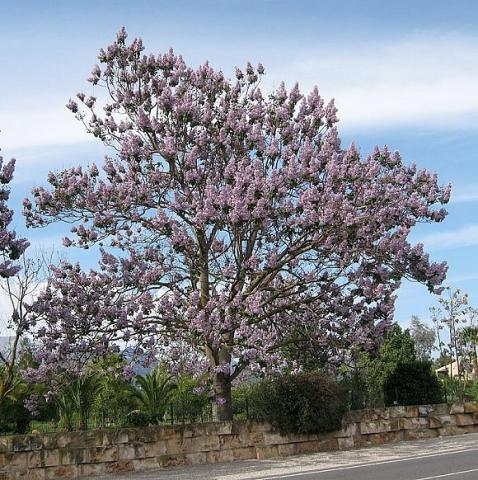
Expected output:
(307, 403)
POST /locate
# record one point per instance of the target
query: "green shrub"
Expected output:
(241, 398)
(188, 405)
(306, 403)
(140, 419)
(412, 383)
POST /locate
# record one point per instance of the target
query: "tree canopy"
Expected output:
(227, 221)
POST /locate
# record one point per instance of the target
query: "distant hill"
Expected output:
(4, 343)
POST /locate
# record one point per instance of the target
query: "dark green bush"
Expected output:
(412, 383)
(14, 417)
(306, 403)
(241, 398)
(140, 419)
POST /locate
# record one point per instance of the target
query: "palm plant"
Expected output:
(153, 392)
(66, 410)
(77, 399)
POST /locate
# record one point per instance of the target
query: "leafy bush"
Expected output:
(189, 402)
(14, 417)
(412, 383)
(137, 418)
(241, 400)
(304, 403)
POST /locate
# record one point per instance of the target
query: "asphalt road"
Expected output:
(451, 458)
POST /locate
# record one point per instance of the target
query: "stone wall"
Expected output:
(74, 455)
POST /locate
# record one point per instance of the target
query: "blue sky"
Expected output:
(402, 73)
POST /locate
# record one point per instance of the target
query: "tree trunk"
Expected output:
(223, 397)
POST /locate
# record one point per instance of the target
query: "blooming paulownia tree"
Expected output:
(11, 249)
(228, 220)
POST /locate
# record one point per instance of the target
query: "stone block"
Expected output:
(126, 452)
(55, 440)
(277, 438)
(380, 426)
(142, 464)
(34, 459)
(438, 421)
(227, 442)
(74, 456)
(309, 447)
(217, 456)
(463, 419)
(288, 449)
(382, 438)
(103, 454)
(174, 446)
(413, 423)
(16, 460)
(114, 437)
(327, 444)
(119, 466)
(155, 449)
(198, 458)
(397, 412)
(63, 471)
(50, 458)
(457, 408)
(244, 453)
(259, 427)
(424, 410)
(269, 451)
(347, 431)
(167, 432)
(91, 469)
(204, 443)
(346, 443)
(374, 414)
(21, 443)
(35, 474)
(441, 409)
(471, 407)
(451, 430)
(167, 461)
(5, 444)
(144, 434)
(411, 411)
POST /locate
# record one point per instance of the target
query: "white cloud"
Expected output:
(466, 236)
(464, 194)
(427, 79)
(27, 127)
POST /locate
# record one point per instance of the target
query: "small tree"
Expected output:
(424, 338)
(228, 221)
(453, 315)
(11, 249)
